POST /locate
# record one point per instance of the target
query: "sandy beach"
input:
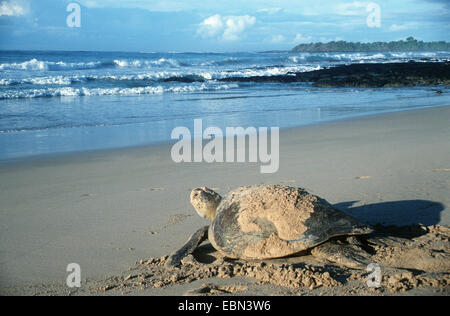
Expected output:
(110, 211)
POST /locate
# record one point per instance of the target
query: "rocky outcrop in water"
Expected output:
(366, 75)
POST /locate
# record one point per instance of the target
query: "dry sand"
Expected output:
(106, 210)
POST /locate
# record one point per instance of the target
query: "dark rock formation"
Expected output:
(366, 75)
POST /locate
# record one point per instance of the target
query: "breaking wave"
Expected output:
(71, 92)
(39, 65)
(157, 76)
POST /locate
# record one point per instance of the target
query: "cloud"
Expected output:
(396, 27)
(402, 27)
(269, 10)
(351, 8)
(227, 28)
(299, 39)
(235, 25)
(277, 39)
(211, 26)
(150, 5)
(12, 8)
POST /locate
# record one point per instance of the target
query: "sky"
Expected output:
(214, 25)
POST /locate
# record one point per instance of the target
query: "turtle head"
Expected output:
(205, 201)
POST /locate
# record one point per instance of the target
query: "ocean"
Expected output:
(59, 102)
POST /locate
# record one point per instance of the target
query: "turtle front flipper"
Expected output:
(189, 247)
(348, 255)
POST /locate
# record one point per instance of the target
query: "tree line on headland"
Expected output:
(408, 45)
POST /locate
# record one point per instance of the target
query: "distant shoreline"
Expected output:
(409, 45)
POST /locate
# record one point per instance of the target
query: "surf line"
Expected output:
(209, 145)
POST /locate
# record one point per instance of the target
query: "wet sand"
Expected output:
(107, 210)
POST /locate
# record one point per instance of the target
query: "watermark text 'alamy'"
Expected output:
(213, 150)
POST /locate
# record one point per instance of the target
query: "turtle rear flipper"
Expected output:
(347, 255)
(189, 247)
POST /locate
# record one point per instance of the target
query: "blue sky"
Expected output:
(215, 25)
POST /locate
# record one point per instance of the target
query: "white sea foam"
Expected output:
(368, 57)
(269, 71)
(145, 63)
(297, 59)
(39, 65)
(70, 91)
(68, 80)
(56, 80)
(32, 64)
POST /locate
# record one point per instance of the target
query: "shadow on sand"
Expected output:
(399, 213)
(399, 218)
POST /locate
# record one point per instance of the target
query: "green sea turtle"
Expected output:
(274, 221)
